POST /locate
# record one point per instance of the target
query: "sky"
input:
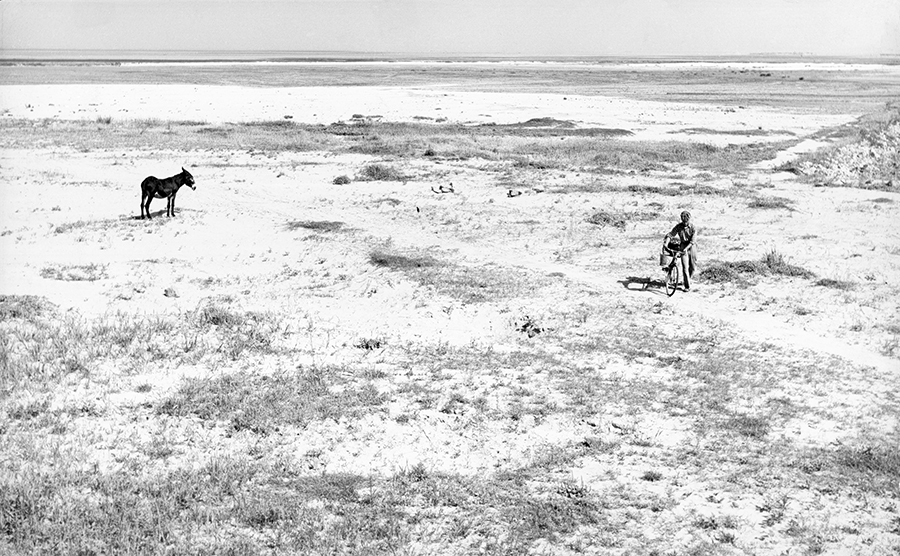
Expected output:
(474, 27)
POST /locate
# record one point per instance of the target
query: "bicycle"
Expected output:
(671, 269)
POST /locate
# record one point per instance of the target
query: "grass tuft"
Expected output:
(26, 307)
(315, 225)
(396, 261)
(772, 262)
(604, 218)
(380, 172)
(842, 285)
(771, 203)
(74, 273)
(777, 264)
(751, 426)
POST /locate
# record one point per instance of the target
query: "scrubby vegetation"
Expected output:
(868, 156)
(380, 172)
(772, 263)
(528, 147)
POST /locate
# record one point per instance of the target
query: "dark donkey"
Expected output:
(164, 189)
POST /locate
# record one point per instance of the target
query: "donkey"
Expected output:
(164, 189)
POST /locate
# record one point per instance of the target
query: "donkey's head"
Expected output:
(188, 179)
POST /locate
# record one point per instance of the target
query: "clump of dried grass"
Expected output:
(772, 262)
(380, 172)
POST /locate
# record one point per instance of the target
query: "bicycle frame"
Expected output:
(672, 271)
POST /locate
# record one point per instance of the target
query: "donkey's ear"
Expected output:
(182, 169)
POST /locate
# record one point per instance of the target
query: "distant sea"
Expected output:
(118, 56)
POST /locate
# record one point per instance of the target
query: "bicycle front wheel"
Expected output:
(671, 280)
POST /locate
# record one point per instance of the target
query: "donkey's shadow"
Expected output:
(642, 283)
(162, 212)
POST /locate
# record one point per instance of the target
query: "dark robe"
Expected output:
(683, 234)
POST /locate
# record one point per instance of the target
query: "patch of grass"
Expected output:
(69, 226)
(646, 155)
(380, 172)
(775, 505)
(771, 203)
(595, 150)
(315, 225)
(674, 189)
(26, 307)
(218, 315)
(739, 132)
(40, 346)
(872, 466)
(772, 262)
(718, 272)
(842, 285)
(237, 331)
(545, 122)
(389, 200)
(532, 517)
(341, 180)
(777, 264)
(74, 273)
(605, 218)
(270, 124)
(751, 426)
(103, 225)
(477, 284)
(711, 523)
(472, 284)
(227, 505)
(398, 261)
(264, 403)
(49, 346)
(879, 462)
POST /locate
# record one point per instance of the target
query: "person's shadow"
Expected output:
(642, 283)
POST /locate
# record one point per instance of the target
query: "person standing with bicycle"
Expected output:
(681, 238)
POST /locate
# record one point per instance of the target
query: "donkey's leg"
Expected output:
(143, 199)
(147, 206)
(172, 199)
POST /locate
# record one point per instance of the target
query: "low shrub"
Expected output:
(380, 172)
(771, 203)
(315, 225)
(603, 218)
(835, 284)
(772, 262)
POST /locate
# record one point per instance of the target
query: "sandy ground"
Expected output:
(232, 230)
(325, 105)
(839, 210)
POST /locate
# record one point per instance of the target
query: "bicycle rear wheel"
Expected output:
(672, 279)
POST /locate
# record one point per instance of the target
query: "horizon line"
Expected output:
(250, 55)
